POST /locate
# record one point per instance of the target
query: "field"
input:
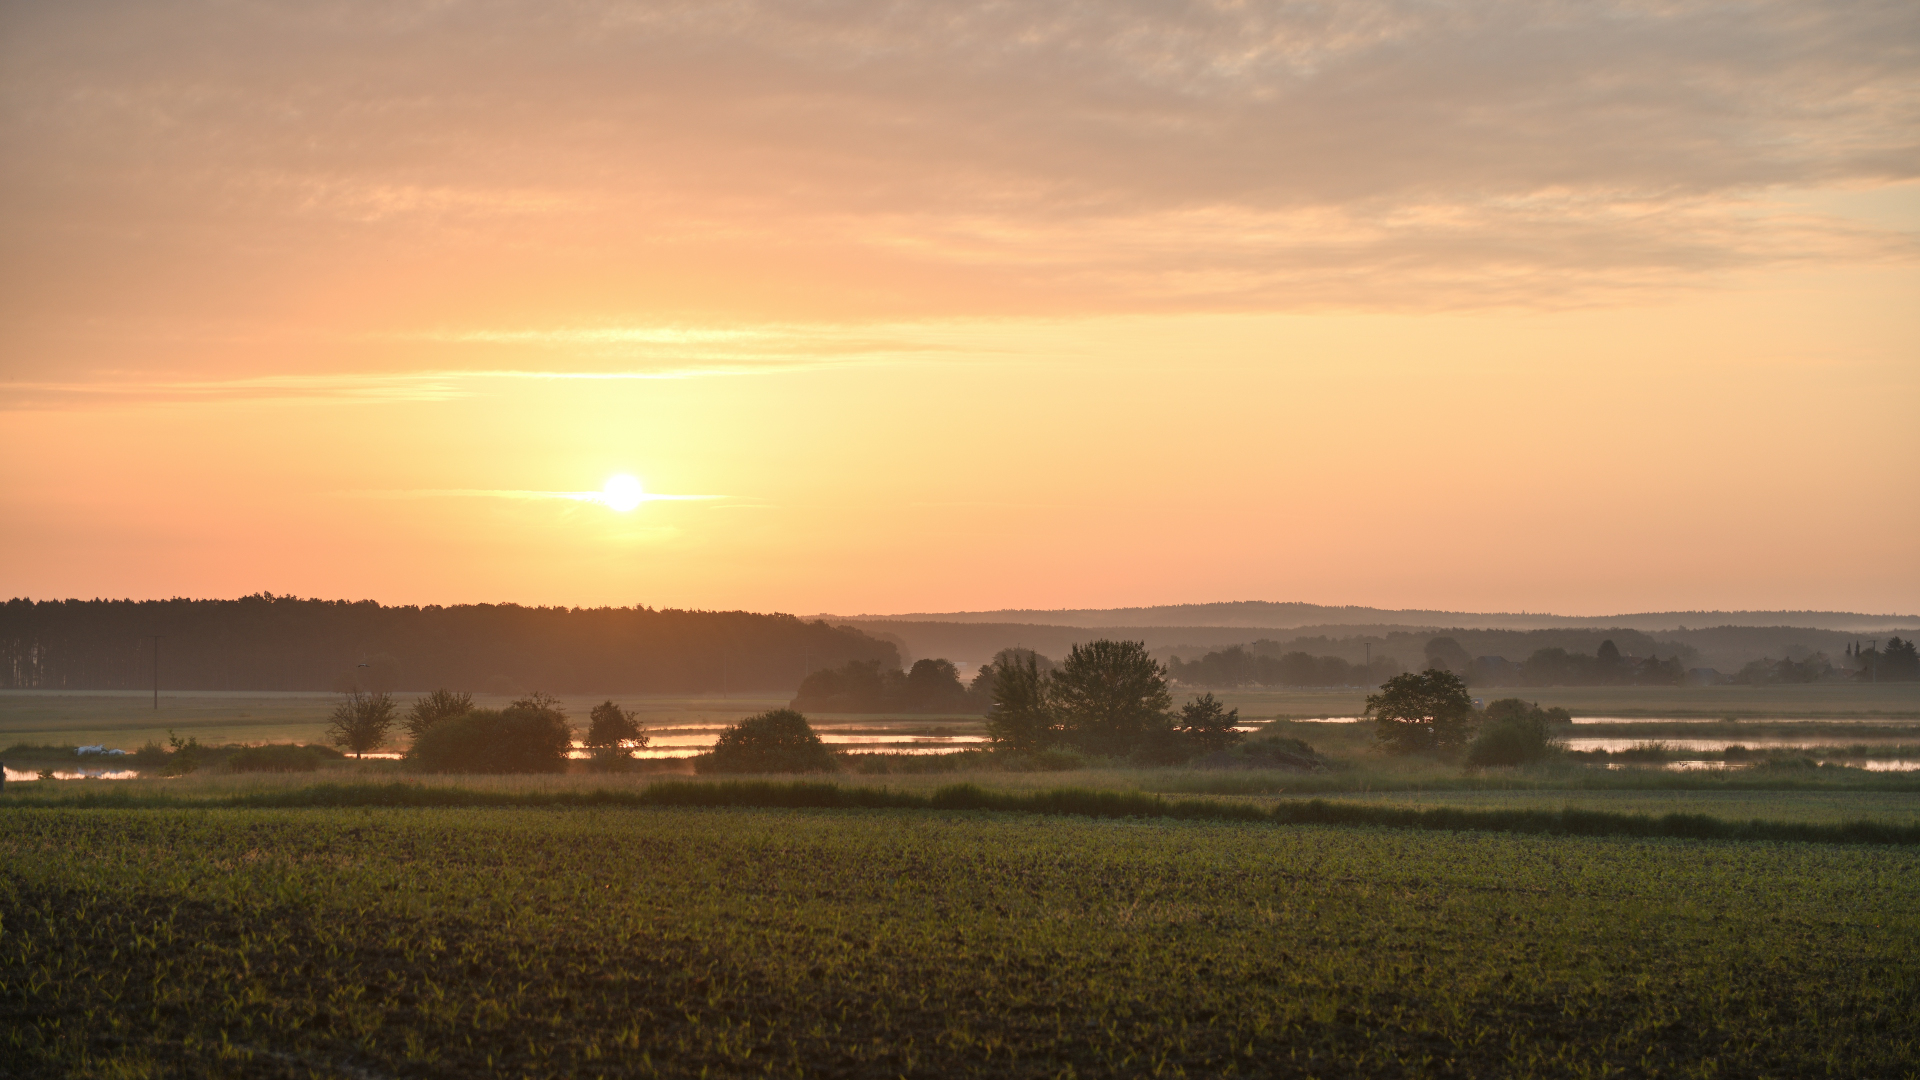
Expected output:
(427, 942)
(1389, 917)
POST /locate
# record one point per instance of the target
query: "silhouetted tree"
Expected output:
(1423, 712)
(1208, 726)
(435, 707)
(1022, 718)
(1446, 654)
(531, 735)
(1110, 694)
(612, 728)
(934, 686)
(361, 721)
(780, 741)
(1901, 661)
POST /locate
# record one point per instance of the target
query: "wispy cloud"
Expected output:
(368, 388)
(876, 160)
(600, 497)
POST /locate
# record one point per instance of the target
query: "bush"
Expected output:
(281, 758)
(1274, 752)
(773, 742)
(531, 735)
(1053, 760)
(1515, 732)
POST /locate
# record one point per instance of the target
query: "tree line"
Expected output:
(1108, 698)
(1236, 666)
(267, 642)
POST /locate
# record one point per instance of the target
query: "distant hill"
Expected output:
(1720, 639)
(1269, 615)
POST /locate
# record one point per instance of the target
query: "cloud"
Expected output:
(881, 159)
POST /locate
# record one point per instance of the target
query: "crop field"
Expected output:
(736, 942)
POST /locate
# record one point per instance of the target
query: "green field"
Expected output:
(519, 942)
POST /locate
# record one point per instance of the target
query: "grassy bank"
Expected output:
(687, 941)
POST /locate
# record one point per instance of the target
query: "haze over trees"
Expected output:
(1108, 698)
(266, 642)
(1237, 666)
(930, 686)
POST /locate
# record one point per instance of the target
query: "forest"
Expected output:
(267, 642)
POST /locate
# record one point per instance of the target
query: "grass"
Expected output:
(682, 941)
(1088, 802)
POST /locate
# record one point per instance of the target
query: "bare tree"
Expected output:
(360, 722)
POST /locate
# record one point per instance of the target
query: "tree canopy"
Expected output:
(361, 721)
(1110, 695)
(1422, 712)
(531, 735)
(780, 741)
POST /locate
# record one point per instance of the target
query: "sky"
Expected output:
(1578, 307)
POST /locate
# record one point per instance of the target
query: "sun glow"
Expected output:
(622, 493)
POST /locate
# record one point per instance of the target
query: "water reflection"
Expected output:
(14, 775)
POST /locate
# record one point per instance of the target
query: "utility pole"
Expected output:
(1369, 648)
(156, 671)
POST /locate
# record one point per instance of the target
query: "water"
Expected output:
(75, 774)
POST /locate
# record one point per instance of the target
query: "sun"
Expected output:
(622, 492)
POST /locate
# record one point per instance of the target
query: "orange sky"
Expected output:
(1589, 309)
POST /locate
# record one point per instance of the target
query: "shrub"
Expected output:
(1516, 733)
(772, 742)
(1053, 760)
(1274, 752)
(183, 755)
(281, 757)
(1646, 751)
(1207, 725)
(531, 735)
(150, 756)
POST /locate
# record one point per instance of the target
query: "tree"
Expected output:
(772, 742)
(361, 721)
(530, 735)
(613, 732)
(1422, 713)
(1446, 654)
(1207, 726)
(440, 705)
(934, 686)
(1022, 718)
(1901, 661)
(1110, 694)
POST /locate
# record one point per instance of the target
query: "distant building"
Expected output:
(1704, 676)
